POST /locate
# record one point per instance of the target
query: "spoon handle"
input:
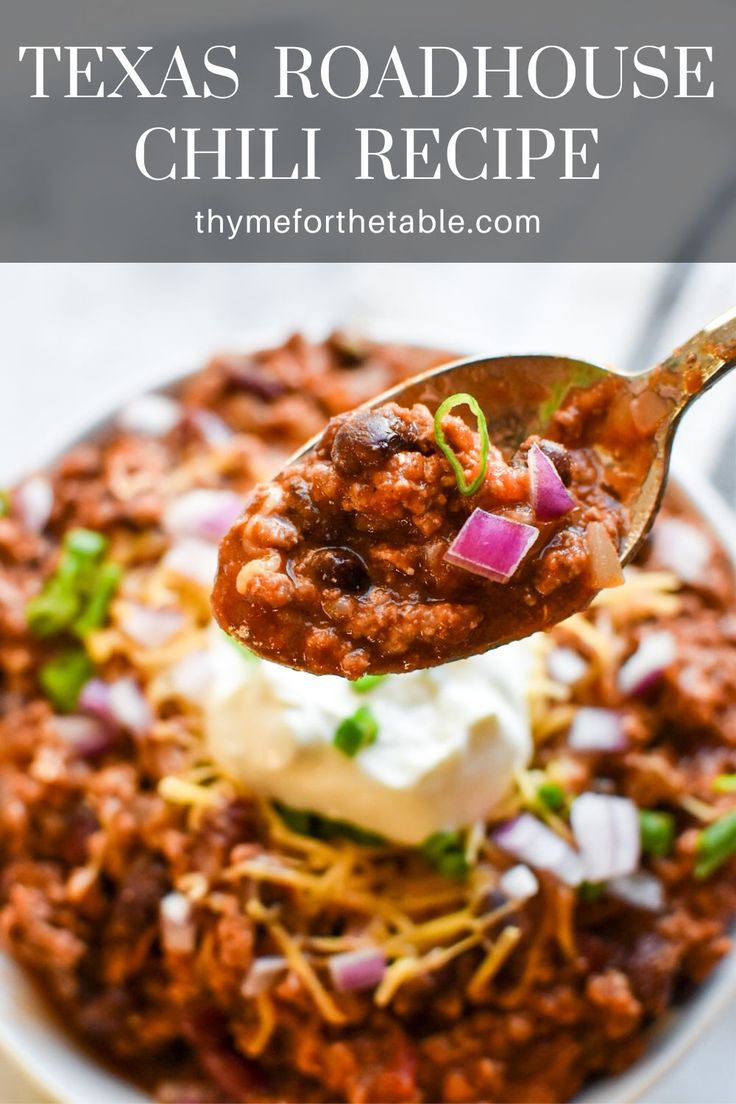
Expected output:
(697, 364)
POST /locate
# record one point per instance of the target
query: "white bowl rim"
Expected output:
(34, 1039)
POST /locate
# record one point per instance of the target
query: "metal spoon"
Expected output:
(630, 425)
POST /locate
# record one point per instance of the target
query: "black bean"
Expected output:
(349, 347)
(338, 567)
(366, 440)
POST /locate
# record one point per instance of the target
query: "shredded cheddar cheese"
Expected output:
(304, 971)
(178, 791)
(420, 920)
(492, 963)
(260, 1039)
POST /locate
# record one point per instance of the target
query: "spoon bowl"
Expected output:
(522, 395)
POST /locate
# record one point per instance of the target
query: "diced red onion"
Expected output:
(213, 429)
(604, 567)
(550, 497)
(149, 626)
(595, 729)
(203, 513)
(263, 974)
(95, 698)
(129, 706)
(566, 666)
(33, 501)
(191, 677)
(530, 840)
(645, 667)
(491, 545)
(606, 829)
(89, 736)
(641, 890)
(150, 415)
(195, 560)
(361, 969)
(681, 548)
(178, 930)
(518, 883)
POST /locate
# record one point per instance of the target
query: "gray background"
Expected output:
(69, 188)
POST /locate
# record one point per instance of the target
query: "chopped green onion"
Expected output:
(306, 823)
(85, 544)
(77, 596)
(356, 732)
(366, 683)
(716, 844)
(591, 891)
(298, 820)
(460, 399)
(63, 677)
(4, 503)
(552, 795)
(657, 832)
(94, 614)
(342, 829)
(725, 783)
(446, 853)
(454, 865)
(82, 551)
(53, 610)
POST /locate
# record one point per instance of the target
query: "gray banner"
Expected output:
(542, 159)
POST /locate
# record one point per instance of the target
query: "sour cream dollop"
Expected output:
(449, 739)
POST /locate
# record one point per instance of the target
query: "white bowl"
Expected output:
(36, 1041)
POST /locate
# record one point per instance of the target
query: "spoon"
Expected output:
(631, 433)
(521, 394)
